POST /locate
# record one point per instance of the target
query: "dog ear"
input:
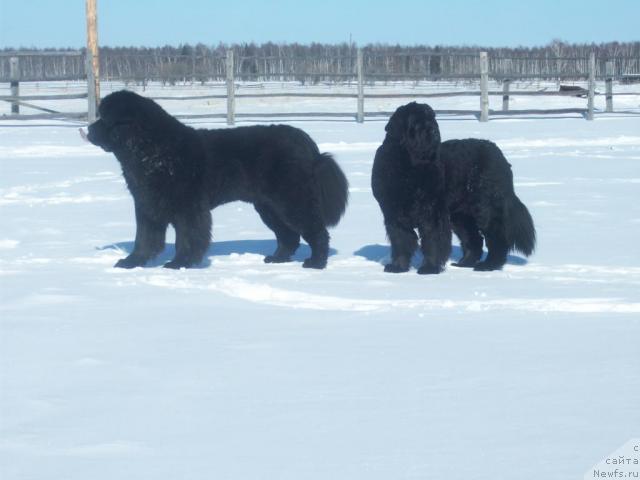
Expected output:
(395, 126)
(429, 112)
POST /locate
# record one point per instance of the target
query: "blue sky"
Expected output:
(60, 23)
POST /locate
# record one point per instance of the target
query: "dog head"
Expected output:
(414, 127)
(125, 117)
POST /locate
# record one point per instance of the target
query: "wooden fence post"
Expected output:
(592, 85)
(506, 83)
(609, 85)
(193, 66)
(92, 97)
(360, 69)
(14, 78)
(92, 61)
(484, 87)
(231, 98)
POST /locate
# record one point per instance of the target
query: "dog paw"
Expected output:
(176, 265)
(464, 264)
(393, 268)
(486, 267)
(276, 259)
(430, 270)
(129, 262)
(313, 263)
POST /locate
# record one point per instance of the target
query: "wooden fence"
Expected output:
(16, 100)
(361, 77)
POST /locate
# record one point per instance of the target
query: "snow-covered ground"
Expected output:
(243, 370)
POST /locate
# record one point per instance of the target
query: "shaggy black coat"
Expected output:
(482, 203)
(177, 174)
(408, 181)
(419, 180)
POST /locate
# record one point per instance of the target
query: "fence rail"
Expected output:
(362, 73)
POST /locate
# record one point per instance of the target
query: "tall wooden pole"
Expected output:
(93, 60)
(484, 87)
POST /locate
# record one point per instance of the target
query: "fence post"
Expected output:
(14, 78)
(92, 98)
(484, 87)
(92, 61)
(231, 98)
(609, 85)
(506, 83)
(592, 85)
(193, 66)
(360, 69)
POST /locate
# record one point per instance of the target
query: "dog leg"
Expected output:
(150, 238)
(288, 239)
(435, 242)
(404, 242)
(497, 246)
(305, 216)
(318, 240)
(466, 230)
(193, 236)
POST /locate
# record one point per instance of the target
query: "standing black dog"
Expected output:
(482, 202)
(408, 181)
(177, 174)
(478, 193)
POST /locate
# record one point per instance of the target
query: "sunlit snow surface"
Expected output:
(244, 370)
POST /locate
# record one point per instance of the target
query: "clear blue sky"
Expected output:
(60, 23)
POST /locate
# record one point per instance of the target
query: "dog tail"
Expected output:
(521, 233)
(334, 189)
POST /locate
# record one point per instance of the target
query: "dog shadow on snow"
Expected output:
(382, 254)
(259, 247)
(376, 253)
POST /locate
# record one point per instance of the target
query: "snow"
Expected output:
(240, 369)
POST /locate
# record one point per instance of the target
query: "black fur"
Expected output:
(483, 203)
(177, 174)
(466, 185)
(408, 181)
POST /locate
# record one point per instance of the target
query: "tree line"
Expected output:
(323, 62)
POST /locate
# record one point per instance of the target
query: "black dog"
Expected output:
(408, 181)
(478, 193)
(482, 202)
(177, 174)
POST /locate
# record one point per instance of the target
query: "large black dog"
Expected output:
(177, 174)
(483, 203)
(419, 180)
(408, 181)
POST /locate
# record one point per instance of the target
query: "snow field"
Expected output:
(240, 369)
